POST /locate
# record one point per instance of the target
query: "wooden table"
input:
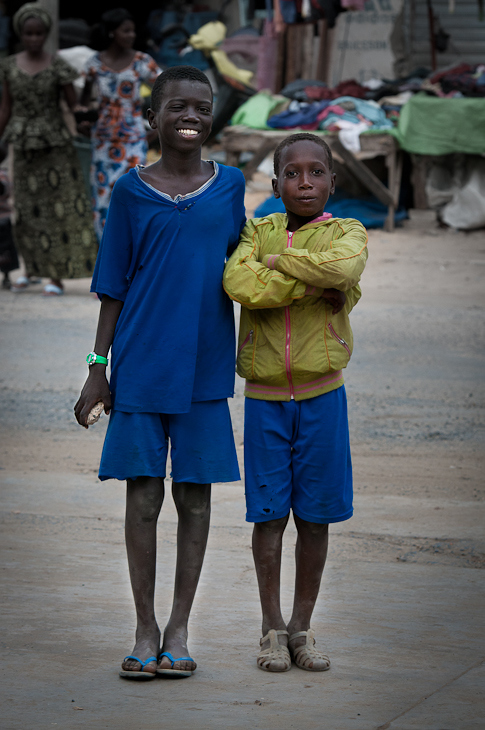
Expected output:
(237, 139)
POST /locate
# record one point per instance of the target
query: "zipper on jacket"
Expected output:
(249, 338)
(338, 338)
(288, 333)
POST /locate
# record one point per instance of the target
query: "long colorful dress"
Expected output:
(53, 220)
(119, 136)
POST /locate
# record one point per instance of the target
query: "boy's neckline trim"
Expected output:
(320, 218)
(324, 218)
(178, 198)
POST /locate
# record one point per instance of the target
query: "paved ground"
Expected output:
(401, 609)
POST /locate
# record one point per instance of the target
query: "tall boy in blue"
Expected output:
(296, 276)
(170, 327)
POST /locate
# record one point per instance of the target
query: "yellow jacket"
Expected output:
(290, 343)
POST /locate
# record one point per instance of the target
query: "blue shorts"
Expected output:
(201, 442)
(297, 456)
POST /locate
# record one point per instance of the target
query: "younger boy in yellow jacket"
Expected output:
(296, 276)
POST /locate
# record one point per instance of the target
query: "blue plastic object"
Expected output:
(369, 211)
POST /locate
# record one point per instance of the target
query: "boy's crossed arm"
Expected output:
(251, 283)
(340, 267)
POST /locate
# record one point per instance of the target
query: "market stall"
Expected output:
(238, 139)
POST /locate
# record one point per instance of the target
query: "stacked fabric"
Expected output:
(329, 115)
(311, 104)
(347, 115)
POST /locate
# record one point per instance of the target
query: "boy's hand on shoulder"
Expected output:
(335, 298)
(96, 389)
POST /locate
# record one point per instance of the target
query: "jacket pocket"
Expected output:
(247, 339)
(339, 339)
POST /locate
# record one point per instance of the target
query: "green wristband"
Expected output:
(94, 359)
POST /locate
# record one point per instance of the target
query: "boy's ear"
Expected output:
(333, 178)
(276, 192)
(151, 119)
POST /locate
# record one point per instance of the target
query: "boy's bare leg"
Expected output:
(267, 543)
(193, 507)
(310, 553)
(144, 499)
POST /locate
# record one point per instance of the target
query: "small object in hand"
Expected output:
(95, 413)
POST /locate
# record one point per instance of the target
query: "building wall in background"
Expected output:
(360, 44)
(362, 47)
(459, 18)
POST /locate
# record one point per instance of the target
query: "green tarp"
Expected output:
(432, 126)
(257, 109)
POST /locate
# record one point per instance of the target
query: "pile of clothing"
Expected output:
(328, 114)
(347, 115)
(462, 80)
(375, 104)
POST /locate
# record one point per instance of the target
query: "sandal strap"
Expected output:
(302, 633)
(143, 663)
(278, 632)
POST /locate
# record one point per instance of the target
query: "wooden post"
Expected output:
(291, 53)
(306, 42)
(418, 179)
(394, 174)
(281, 62)
(363, 174)
(322, 65)
(431, 35)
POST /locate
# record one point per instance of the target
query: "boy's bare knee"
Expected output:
(144, 497)
(193, 500)
(272, 526)
(314, 529)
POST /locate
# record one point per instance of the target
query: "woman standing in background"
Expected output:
(119, 136)
(53, 225)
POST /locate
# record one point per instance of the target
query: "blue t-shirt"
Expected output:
(164, 258)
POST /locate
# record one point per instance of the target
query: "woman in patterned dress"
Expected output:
(53, 220)
(119, 137)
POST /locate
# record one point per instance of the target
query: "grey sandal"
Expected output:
(276, 657)
(306, 656)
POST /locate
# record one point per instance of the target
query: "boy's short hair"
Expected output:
(176, 73)
(302, 137)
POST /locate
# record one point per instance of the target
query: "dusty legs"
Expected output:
(143, 503)
(193, 507)
(310, 555)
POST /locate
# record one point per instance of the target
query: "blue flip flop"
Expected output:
(138, 674)
(175, 672)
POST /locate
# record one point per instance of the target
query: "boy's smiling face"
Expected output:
(304, 182)
(184, 119)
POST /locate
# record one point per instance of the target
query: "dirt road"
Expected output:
(401, 609)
